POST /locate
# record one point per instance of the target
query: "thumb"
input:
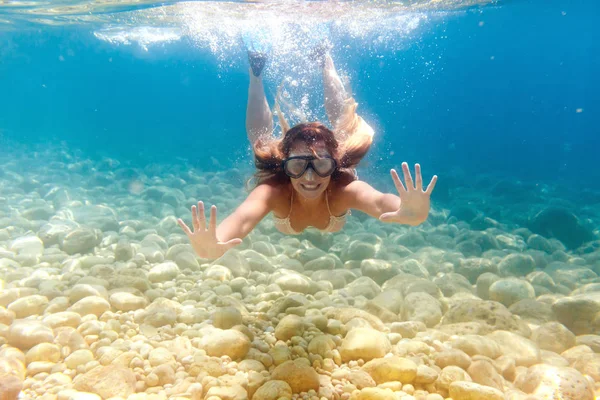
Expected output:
(232, 243)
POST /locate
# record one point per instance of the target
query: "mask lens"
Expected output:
(324, 166)
(295, 167)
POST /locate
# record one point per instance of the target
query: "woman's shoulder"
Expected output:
(344, 178)
(275, 184)
(277, 192)
(341, 192)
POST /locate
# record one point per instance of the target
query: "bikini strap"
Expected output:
(327, 201)
(291, 203)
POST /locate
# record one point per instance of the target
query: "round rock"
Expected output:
(474, 391)
(511, 290)
(123, 301)
(230, 342)
(298, 374)
(391, 369)
(163, 272)
(365, 344)
(28, 306)
(289, 326)
(273, 390)
(226, 317)
(24, 334)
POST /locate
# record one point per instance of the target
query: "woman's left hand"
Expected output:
(414, 201)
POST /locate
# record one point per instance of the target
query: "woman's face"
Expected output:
(309, 185)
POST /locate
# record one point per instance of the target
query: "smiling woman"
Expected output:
(307, 177)
(308, 159)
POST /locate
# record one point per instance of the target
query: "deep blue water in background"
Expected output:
(491, 90)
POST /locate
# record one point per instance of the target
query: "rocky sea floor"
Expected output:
(101, 296)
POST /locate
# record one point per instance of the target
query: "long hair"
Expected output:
(348, 145)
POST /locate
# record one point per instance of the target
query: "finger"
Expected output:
(212, 223)
(418, 177)
(183, 226)
(201, 216)
(397, 182)
(195, 222)
(431, 185)
(407, 177)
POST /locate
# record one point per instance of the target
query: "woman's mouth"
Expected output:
(310, 187)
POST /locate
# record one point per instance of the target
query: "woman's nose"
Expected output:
(309, 175)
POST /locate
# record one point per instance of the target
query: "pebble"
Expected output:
(426, 375)
(555, 383)
(25, 334)
(365, 344)
(474, 391)
(78, 357)
(553, 336)
(322, 345)
(298, 374)
(524, 351)
(107, 381)
(484, 372)
(164, 272)
(273, 390)
(451, 374)
(91, 305)
(477, 345)
(511, 290)
(83, 290)
(289, 326)
(28, 306)
(43, 352)
(160, 356)
(391, 369)
(62, 319)
(408, 329)
(226, 317)
(10, 386)
(422, 307)
(6, 316)
(452, 357)
(373, 394)
(123, 301)
(229, 342)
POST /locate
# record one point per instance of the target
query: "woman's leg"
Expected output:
(339, 104)
(334, 91)
(259, 118)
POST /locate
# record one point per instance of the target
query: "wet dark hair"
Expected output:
(269, 154)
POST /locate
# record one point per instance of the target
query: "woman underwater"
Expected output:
(307, 177)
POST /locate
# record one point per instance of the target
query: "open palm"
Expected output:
(204, 240)
(414, 201)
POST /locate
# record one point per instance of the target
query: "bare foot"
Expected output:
(257, 61)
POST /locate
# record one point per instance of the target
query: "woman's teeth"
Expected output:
(310, 187)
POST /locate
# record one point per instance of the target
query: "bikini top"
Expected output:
(335, 222)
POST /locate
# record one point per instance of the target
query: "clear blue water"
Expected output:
(491, 89)
(500, 99)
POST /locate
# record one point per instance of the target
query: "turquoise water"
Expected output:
(116, 117)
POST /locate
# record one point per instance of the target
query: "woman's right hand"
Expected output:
(203, 240)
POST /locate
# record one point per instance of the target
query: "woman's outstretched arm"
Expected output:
(410, 207)
(248, 214)
(210, 241)
(359, 195)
